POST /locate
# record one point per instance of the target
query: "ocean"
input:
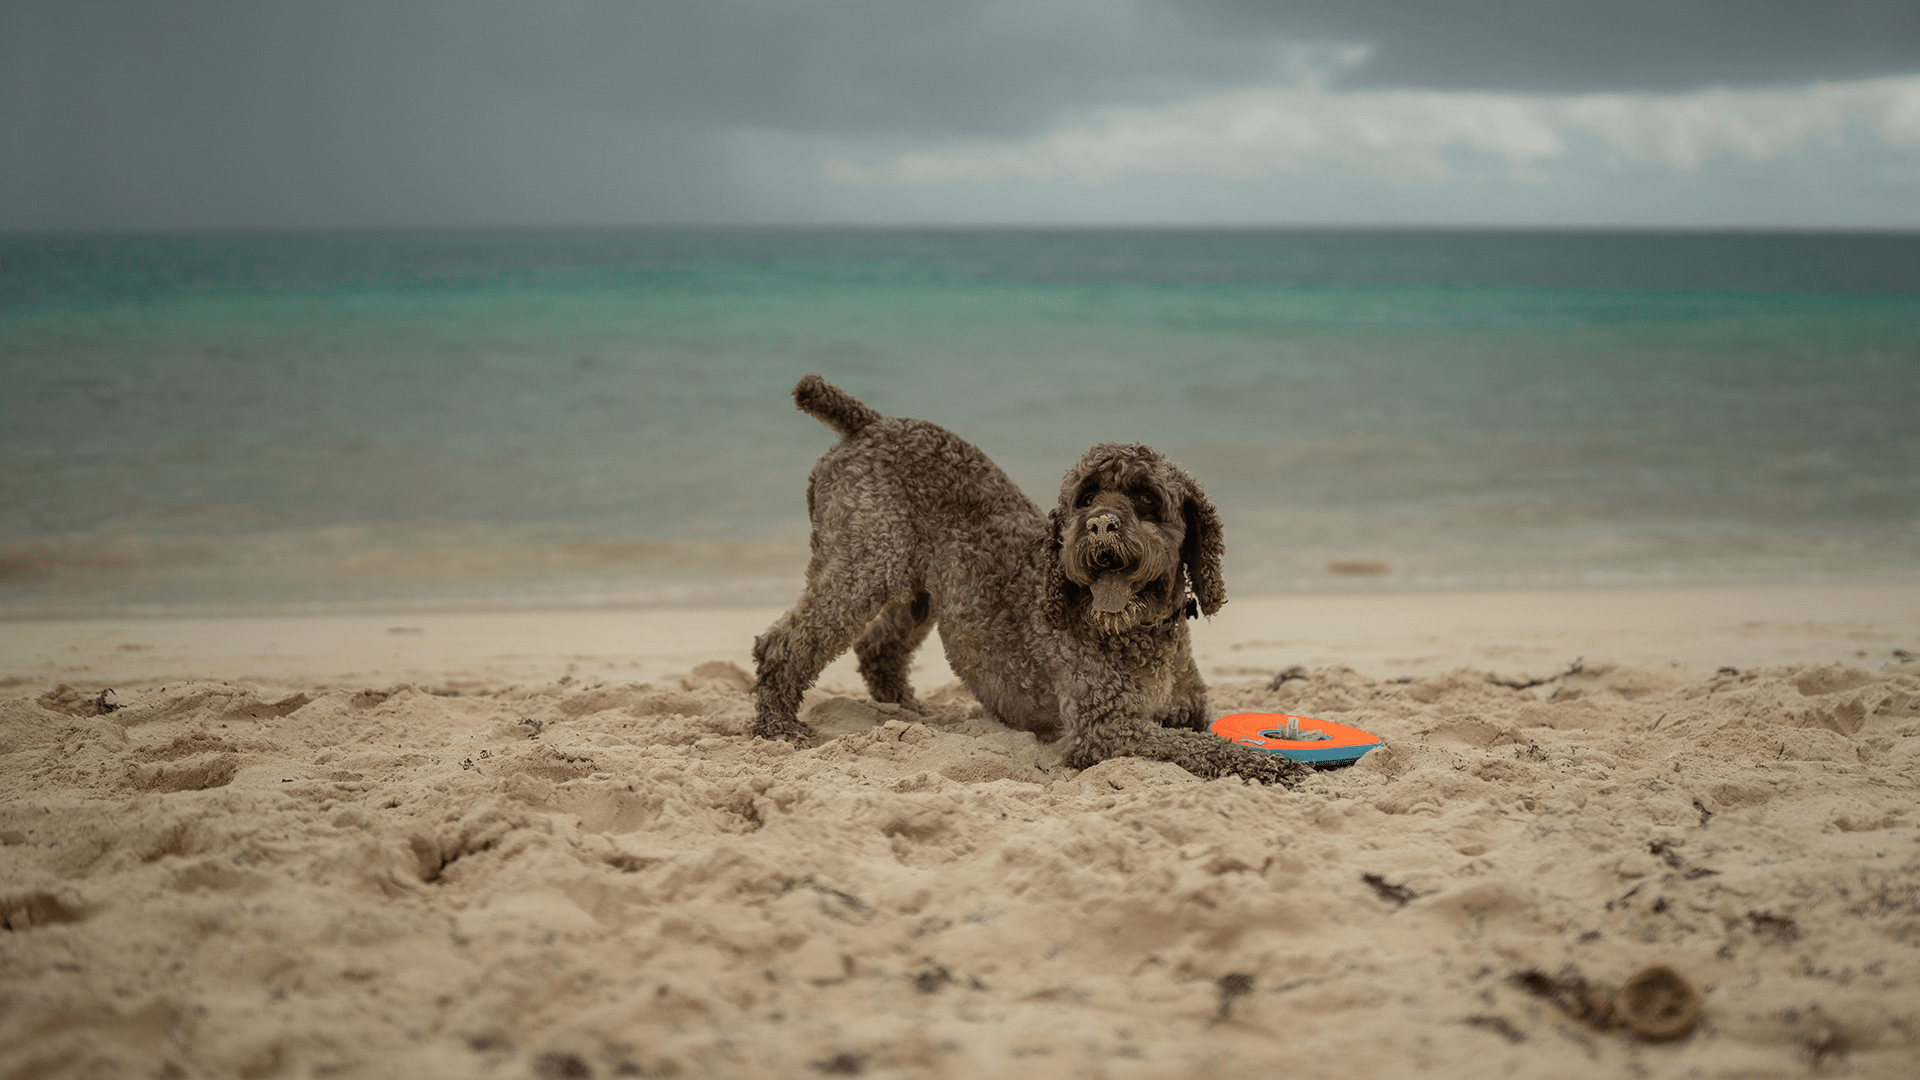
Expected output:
(333, 421)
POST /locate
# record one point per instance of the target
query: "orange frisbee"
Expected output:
(1261, 730)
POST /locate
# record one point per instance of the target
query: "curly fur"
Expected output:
(1071, 625)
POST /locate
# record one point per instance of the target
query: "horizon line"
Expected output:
(1433, 227)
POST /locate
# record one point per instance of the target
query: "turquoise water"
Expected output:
(312, 420)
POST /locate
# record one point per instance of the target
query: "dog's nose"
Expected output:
(1103, 527)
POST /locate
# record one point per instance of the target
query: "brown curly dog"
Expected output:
(1070, 625)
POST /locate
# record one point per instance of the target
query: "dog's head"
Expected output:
(1127, 524)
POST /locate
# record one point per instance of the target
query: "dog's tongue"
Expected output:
(1111, 592)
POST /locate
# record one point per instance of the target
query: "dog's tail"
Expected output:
(833, 406)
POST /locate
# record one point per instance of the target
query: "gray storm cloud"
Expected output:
(120, 114)
(1636, 46)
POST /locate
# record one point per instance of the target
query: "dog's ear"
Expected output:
(1204, 549)
(1053, 597)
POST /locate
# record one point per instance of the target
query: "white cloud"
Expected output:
(1413, 136)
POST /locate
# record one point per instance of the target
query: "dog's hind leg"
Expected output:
(857, 571)
(794, 651)
(886, 650)
(865, 559)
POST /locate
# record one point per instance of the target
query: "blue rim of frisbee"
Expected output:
(1255, 731)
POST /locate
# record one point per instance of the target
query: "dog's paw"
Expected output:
(795, 731)
(1273, 769)
(1226, 759)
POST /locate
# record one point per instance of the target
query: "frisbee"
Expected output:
(1262, 730)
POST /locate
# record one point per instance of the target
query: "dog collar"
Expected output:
(1188, 610)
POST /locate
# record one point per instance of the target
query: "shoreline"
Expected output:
(741, 593)
(1388, 635)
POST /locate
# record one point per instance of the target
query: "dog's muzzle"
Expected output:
(1102, 539)
(1104, 551)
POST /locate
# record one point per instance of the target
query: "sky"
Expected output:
(182, 114)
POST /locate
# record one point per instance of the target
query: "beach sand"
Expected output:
(539, 845)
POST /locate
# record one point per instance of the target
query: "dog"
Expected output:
(1071, 624)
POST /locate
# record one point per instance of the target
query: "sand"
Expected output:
(539, 845)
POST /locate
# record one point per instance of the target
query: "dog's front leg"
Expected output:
(1106, 715)
(1189, 707)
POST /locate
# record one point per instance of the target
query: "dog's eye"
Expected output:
(1085, 500)
(1146, 506)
